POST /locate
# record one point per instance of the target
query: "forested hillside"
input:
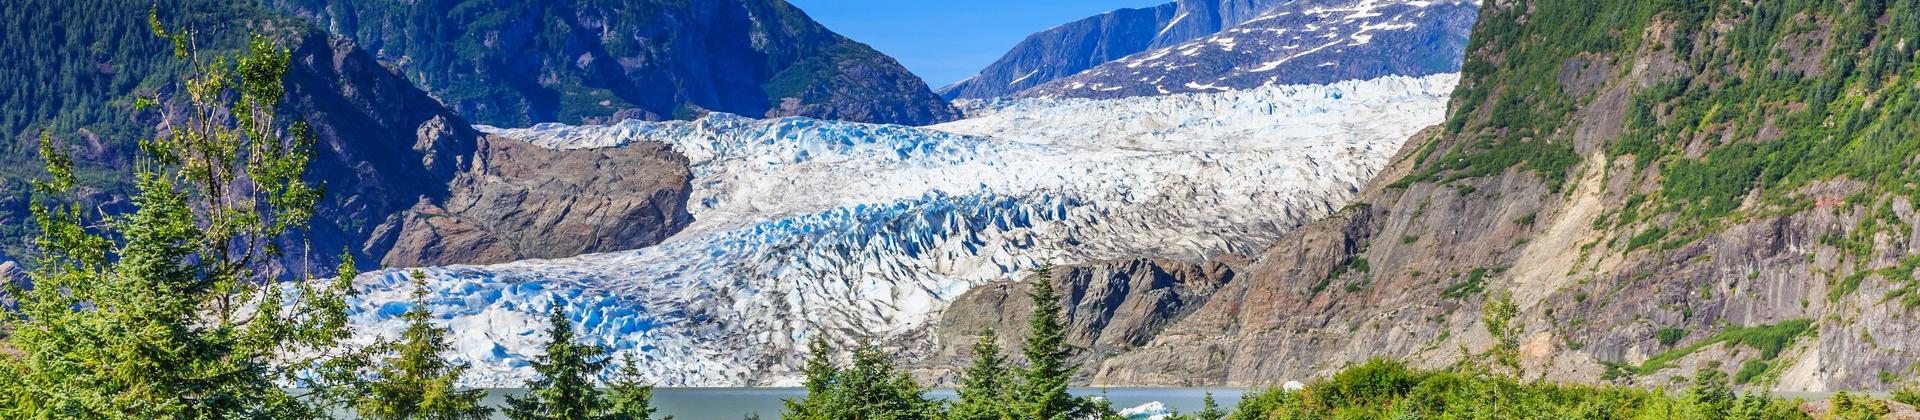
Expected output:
(71, 68)
(513, 63)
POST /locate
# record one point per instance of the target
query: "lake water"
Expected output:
(735, 403)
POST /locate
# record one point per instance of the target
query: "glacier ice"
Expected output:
(856, 232)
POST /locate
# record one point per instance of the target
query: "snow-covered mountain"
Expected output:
(1299, 42)
(1075, 46)
(806, 227)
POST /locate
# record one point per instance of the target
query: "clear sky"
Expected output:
(944, 41)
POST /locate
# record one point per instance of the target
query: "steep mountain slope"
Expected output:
(1079, 45)
(515, 63)
(1658, 186)
(854, 231)
(387, 153)
(1293, 43)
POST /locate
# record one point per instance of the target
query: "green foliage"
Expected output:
(565, 388)
(1497, 315)
(1769, 340)
(986, 385)
(1389, 389)
(871, 388)
(1670, 336)
(415, 381)
(628, 398)
(1209, 409)
(1042, 390)
(77, 70)
(1474, 284)
(171, 311)
(1908, 394)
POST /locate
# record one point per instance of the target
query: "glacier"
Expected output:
(860, 233)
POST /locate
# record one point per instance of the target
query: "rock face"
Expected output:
(383, 145)
(1110, 308)
(1304, 42)
(514, 63)
(524, 201)
(1079, 45)
(1628, 264)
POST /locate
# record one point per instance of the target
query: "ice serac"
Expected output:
(1067, 49)
(852, 231)
(517, 62)
(1300, 42)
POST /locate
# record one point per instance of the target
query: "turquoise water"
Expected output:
(735, 403)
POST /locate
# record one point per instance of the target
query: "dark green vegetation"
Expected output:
(514, 63)
(414, 381)
(990, 389)
(170, 310)
(165, 312)
(71, 68)
(1768, 340)
(1387, 389)
(566, 388)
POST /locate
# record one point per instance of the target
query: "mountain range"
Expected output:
(1239, 192)
(1213, 45)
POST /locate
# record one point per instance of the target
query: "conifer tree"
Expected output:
(565, 388)
(172, 311)
(627, 397)
(1042, 391)
(820, 372)
(869, 389)
(1209, 409)
(415, 382)
(984, 385)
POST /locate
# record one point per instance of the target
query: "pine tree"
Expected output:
(984, 385)
(416, 382)
(1210, 410)
(172, 311)
(1042, 392)
(565, 389)
(627, 397)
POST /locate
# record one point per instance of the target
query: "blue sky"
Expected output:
(944, 41)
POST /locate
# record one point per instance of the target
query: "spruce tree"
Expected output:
(983, 385)
(1210, 410)
(174, 311)
(565, 388)
(415, 382)
(627, 397)
(869, 389)
(1042, 392)
(820, 373)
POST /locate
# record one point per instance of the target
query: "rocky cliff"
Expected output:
(384, 148)
(1656, 187)
(1079, 45)
(523, 201)
(515, 63)
(411, 184)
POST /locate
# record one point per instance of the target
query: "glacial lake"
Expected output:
(735, 403)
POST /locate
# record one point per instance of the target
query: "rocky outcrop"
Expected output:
(514, 63)
(1073, 47)
(1110, 308)
(1304, 42)
(523, 201)
(382, 144)
(1800, 284)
